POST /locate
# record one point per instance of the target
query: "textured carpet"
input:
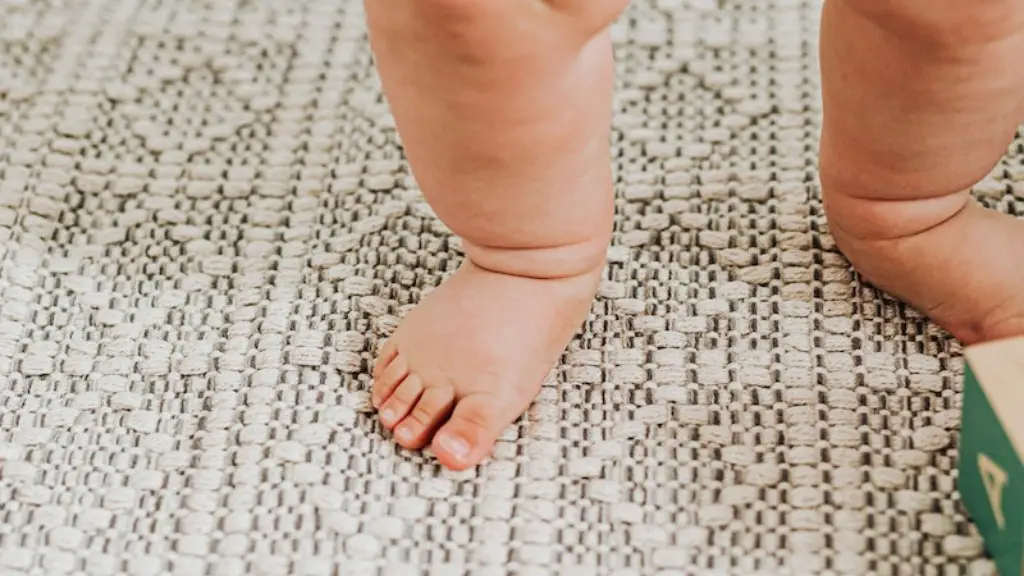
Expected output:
(207, 228)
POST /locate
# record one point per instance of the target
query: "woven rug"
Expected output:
(207, 228)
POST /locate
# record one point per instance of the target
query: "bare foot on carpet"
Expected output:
(505, 114)
(470, 359)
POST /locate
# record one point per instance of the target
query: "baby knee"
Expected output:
(949, 24)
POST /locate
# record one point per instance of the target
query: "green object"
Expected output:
(991, 476)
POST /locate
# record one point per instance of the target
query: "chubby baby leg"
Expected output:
(504, 109)
(921, 100)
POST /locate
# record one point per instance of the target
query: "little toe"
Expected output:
(398, 405)
(469, 435)
(386, 355)
(430, 411)
(390, 377)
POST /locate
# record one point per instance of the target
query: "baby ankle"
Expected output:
(544, 263)
(874, 220)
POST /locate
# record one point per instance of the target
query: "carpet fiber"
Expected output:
(207, 228)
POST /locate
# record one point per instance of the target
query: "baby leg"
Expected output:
(504, 110)
(922, 98)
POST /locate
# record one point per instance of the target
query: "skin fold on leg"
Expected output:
(921, 100)
(504, 109)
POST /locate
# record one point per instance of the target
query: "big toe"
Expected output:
(469, 435)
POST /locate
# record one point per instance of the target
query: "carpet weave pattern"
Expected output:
(207, 227)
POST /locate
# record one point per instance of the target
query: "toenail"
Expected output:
(454, 445)
(387, 415)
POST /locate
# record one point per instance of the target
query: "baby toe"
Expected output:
(469, 435)
(390, 377)
(398, 405)
(386, 355)
(423, 420)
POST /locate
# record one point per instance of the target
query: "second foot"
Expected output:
(963, 274)
(470, 359)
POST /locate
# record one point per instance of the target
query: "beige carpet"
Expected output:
(206, 228)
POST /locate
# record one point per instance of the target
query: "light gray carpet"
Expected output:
(206, 228)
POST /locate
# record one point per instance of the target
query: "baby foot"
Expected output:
(469, 360)
(961, 273)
